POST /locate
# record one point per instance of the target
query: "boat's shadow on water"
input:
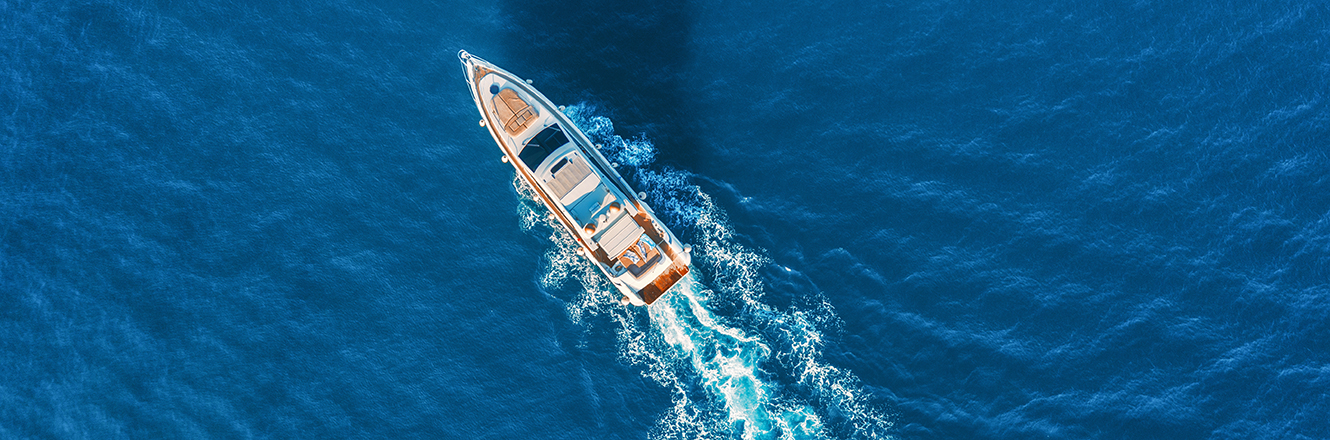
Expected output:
(625, 57)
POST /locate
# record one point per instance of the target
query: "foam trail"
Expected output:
(727, 362)
(722, 370)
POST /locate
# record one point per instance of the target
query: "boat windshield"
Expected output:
(541, 145)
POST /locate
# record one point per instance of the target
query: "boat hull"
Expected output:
(616, 230)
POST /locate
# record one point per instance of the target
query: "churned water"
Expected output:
(946, 219)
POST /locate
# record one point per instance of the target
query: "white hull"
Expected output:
(617, 231)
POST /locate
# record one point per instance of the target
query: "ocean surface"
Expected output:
(910, 220)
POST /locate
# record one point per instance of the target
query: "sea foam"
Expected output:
(742, 360)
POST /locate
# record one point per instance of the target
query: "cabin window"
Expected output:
(551, 137)
(540, 146)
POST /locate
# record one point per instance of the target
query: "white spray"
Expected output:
(686, 345)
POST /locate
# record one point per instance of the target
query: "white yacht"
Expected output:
(617, 231)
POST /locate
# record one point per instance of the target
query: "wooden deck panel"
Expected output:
(653, 291)
(515, 112)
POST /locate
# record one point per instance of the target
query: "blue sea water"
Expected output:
(915, 220)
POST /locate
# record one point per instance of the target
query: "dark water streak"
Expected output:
(635, 78)
(1091, 220)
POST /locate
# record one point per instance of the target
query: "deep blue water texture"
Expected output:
(989, 220)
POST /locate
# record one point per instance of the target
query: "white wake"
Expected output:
(734, 360)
